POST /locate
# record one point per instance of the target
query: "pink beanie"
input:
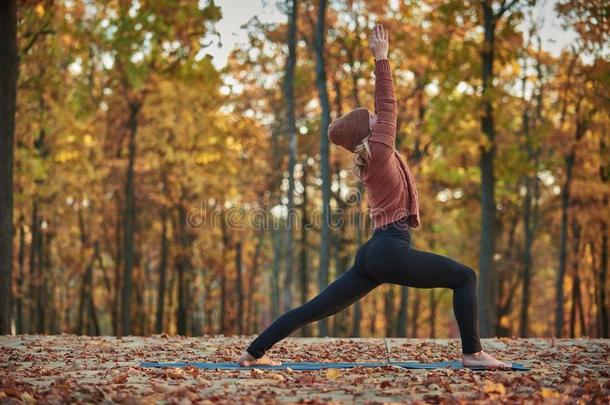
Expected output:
(350, 129)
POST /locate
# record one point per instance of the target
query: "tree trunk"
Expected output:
(305, 330)
(432, 318)
(93, 327)
(41, 290)
(563, 243)
(324, 155)
(162, 273)
(275, 276)
(35, 230)
(8, 95)
(84, 242)
(292, 150)
(389, 310)
(487, 282)
(415, 314)
(252, 280)
(239, 288)
(603, 320)
(183, 268)
(403, 312)
(118, 261)
(373, 319)
(577, 305)
(20, 321)
(603, 282)
(129, 221)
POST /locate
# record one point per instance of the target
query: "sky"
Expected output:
(238, 12)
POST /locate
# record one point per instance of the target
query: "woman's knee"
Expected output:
(469, 274)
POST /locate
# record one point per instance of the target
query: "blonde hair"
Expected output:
(362, 153)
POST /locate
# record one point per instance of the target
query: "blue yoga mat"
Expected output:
(318, 366)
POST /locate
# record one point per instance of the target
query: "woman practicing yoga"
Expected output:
(388, 256)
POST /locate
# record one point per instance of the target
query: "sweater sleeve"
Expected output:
(384, 133)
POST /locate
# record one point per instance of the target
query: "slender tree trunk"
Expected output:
(403, 317)
(224, 299)
(252, 280)
(116, 298)
(275, 277)
(41, 290)
(8, 95)
(487, 282)
(292, 150)
(94, 325)
(604, 172)
(603, 282)
(87, 263)
(415, 314)
(35, 231)
(373, 318)
(20, 279)
(432, 318)
(324, 154)
(183, 268)
(563, 243)
(129, 221)
(575, 279)
(162, 273)
(305, 330)
(390, 313)
(240, 288)
(527, 229)
(531, 201)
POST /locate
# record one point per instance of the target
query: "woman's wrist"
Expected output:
(381, 57)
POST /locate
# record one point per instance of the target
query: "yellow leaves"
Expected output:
(504, 322)
(549, 393)
(332, 373)
(88, 140)
(66, 156)
(28, 398)
(494, 388)
(39, 10)
(67, 39)
(206, 158)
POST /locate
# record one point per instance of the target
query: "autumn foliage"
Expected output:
(151, 186)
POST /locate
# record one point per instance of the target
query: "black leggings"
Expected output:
(387, 257)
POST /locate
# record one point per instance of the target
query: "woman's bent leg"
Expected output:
(421, 269)
(338, 295)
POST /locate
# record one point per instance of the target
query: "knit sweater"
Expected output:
(390, 187)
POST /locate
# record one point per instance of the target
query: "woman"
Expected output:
(388, 256)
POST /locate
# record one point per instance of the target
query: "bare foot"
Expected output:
(482, 359)
(246, 360)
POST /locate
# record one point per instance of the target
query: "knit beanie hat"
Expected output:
(350, 129)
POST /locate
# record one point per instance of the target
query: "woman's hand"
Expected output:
(378, 42)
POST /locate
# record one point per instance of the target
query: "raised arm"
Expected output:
(384, 131)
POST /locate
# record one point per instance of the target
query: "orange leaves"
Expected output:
(120, 378)
(494, 388)
(99, 369)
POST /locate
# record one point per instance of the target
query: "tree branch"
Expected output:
(505, 7)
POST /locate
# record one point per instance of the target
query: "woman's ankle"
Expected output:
(471, 353)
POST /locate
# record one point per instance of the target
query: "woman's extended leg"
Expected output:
(338, 295)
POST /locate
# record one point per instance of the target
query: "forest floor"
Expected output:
(67, 368)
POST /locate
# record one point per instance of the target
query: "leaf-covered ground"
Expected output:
(66, 368)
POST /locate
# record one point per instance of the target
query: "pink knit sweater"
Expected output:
(390, 187)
